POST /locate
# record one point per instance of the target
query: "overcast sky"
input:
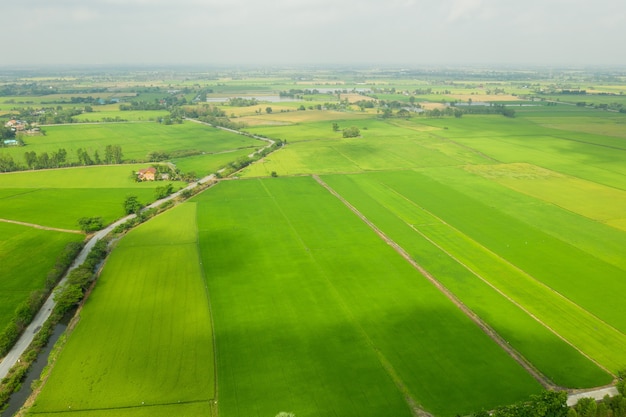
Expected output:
(304, 32)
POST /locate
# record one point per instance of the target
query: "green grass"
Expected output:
(144, 339)
(323, 321)
(458, 263)
(383, 146)
(100, 115)
(58, 198)
(608, 204)
(542, 259)
(209, 163)
(27, 255)
(196, 409)
(136, 139)
(95, 176)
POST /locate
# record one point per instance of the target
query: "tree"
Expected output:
(108, 154)
(268, 110)
(66, 297)
(132, 205)
(31, 158)
(335, 127)
(162, 192)
(351, 132)
(90, 224)
(403, 113)
(7, 163)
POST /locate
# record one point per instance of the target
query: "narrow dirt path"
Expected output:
(38, 226)
(545, 382)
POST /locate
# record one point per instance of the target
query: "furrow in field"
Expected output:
(530, 368)
(542, 303)
(399, 218)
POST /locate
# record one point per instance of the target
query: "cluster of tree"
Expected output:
(365, 104)
(143, 215)
(244, 161)
(392, 104)
(298, 93)
(169, 120)
(90, 224)
(608, 407)
(59, 115)
(142, 105)
(163, 191)
(158, 156)
(554, 404)
(447, 111)
(506, 111)
(132, 205)
(546, 404)
(402, 113)
(6, 133)
(351, 132)
(79, 280)
(242, 102)
(202, 111)
(27, 89)
(26, 311)
(43, 160)
(7, 163)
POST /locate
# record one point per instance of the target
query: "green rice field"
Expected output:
(58, 198)
(26, 257)
(385, 274)
(155, 309)
(136, 139)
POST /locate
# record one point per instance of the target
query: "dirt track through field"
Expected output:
(545, 382)
(38, 226)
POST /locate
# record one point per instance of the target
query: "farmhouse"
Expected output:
(147, 174)
(16, 125)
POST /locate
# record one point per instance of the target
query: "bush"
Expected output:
(351, 132)
(90, 224)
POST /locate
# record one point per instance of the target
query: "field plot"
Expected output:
(209, 163)
(566, 288)
(102, 115)
(608, 205)
(136, 139)
(315, 314)
(143, 344)
(26, 256)
(382, 146)
(470, 272)
(592, 157)
(58, 198)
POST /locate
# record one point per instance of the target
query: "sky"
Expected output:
(314, 32)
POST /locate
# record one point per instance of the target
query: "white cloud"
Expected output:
(299, 31)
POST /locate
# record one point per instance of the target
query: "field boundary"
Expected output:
(414, 407)
(38, 226)
(513, 353)
(502, 293)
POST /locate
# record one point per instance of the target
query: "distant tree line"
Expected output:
(58, 159)
(242, 102)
